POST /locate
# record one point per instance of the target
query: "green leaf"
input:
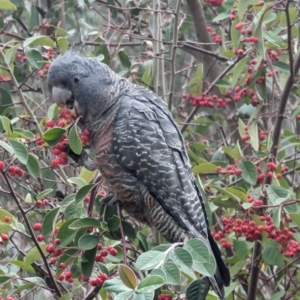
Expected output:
(75, 141)
(113, 10)
(115, 285)
(39, 40)
(237, 267)
(147, 76)
(149, 260)
(7, 5)
(253, 133)
(149, 284)
(20, 151)
(4, 279)
(6, 147)
(271, 254)
(33, 255)
(78, 181)
(114, 223)
(242, 8)
(249, 173)
(63, 44)
(172, 272)
(6, 125)
(33, 166)
(87, 175)
(221, 16)
(83, 192)
(53, 135)
(85, 222)
(127, 276)
(87, 242)
(142, 241)
(240, 249)
(22, 133)
(203, 261)
(205, 168)
(235, 34)
(198, 289)
(182, 258)
(49, 222)
(43, 194)
(65, 234)
(238, 69)
(295, 218)
(146, 296)
(159, 272)
(124, 295)
(34, 57)
(235, 152)
(5, 228)
(10, 54)
(281, 66)
(125, 61)
(87, 263)
(52, 112)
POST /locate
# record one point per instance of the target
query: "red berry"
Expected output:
(93, 282)
(39, 203)
(168, 297)
(61, 124)
(113, 252)
(46, 25)
(240, 52)
(52, 260)
(84, 279)
(50, 248)
(56, 241)
(2, 165)
(4, 237)
(68, 274)
(103, 276)
(40, 238)
(246, 128)
(61, 277)
(104, 253)
(7, 219)
(270, 174)
(99, 281)
(70, 280)
(99, 258)
(99, 246)
(50, 124)
(62, 266)
(10, 298)
(37, 226)
(278, 176)
(239, 26)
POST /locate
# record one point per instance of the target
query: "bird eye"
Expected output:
(76, 79)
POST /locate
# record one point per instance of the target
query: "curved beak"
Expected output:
(61, 95)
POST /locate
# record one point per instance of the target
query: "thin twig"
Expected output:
(173, 55)
(122, 235)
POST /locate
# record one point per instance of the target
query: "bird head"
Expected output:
(84, 85)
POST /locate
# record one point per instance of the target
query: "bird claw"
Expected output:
(109, 199)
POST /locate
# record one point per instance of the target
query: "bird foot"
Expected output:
(109, 199)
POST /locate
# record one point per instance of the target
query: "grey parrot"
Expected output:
(138, 149)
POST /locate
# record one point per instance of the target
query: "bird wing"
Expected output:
(149, 143)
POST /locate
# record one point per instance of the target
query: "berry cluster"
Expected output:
(62, 120)
(104, 252)
(49, 56)
(214, 2)
(230, 169)
(164, 297)
(22, 57)
(216, 37)
(15, 171)
(271, 168)
(252, 232)
(205, 100)
(61, 157)
(67, 276)
(96, 281)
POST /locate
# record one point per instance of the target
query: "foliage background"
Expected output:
(229, 73)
